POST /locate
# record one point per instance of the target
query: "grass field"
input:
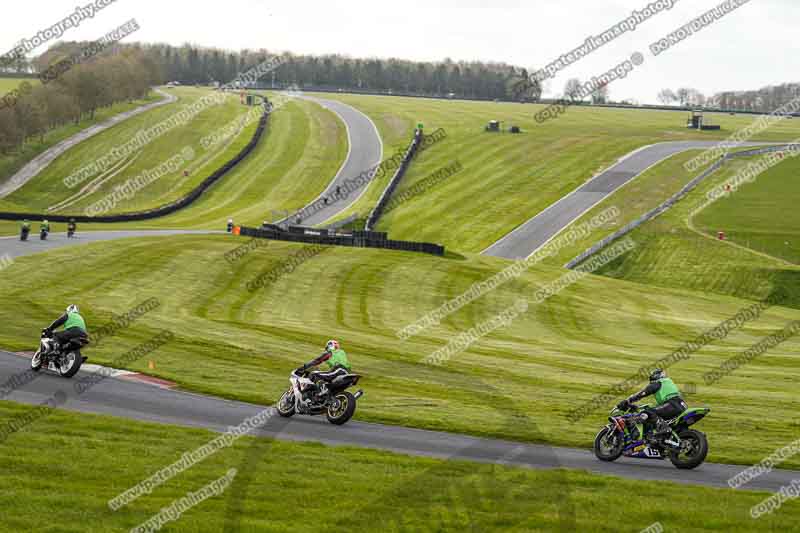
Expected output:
(754, 262)
(11, 163)
(376, 490)
(299, 154)
(762, 216)
(240, 344)
(9, 84)
(47, 191)
(507, 179)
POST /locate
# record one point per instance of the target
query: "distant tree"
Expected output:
(682, 95)
(572, 89)
(522, 88)
(600, 95)
(667, 96)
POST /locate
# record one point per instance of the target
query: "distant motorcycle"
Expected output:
(43, 234)
(23, 234)
(685, 448)
(70, 232)
(67, 360)
(329, 398)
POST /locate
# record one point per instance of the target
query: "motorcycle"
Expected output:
(330, 398)
(43, 234)
(70, 233)
(23, 234)
(67, 360)
(685, 448)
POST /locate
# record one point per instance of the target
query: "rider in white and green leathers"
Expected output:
(74, 326)
(669, 403)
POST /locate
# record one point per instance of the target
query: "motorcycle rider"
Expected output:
(25, 227)
(669, 404)
(74, 327)
(335, 357)
(44, 229)
(71, 226)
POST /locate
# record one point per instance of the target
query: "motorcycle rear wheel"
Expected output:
(697, 445)
(344, 410)
(613, 451)
(286, 404)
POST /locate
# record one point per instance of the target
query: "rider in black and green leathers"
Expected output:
(669, 403)
(338, 364)
(74, 326)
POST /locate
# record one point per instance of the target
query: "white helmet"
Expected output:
(72, 309)
(332, 345)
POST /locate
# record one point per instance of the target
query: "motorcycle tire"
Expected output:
(37, 361)
(611, 456)
(344, 411)
(73, 362)
(699, 444)
(286, 410)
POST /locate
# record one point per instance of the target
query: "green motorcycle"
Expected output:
(624, 436)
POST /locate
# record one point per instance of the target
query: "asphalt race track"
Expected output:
(535, 233)
(16, 248)
(365, 152)
(148, 403)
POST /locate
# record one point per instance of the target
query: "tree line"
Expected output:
(764, 100)
(125, 72)
(189, 64)
(122, 74)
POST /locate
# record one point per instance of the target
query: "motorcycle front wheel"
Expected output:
(69, 364)
(286, 404)
(608, 445)
(36, 362)
(342, 408)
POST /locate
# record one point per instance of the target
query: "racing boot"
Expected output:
(660, 432)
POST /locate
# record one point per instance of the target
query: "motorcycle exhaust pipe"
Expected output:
(358, 395)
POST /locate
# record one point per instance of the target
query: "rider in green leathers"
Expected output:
(669, 404)
(74, 326)
(337, 361)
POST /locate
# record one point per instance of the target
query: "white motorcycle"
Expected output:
(330, 398)
(67, 360)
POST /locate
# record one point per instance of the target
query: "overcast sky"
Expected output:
(749, 48)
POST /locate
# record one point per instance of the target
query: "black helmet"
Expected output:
(657, 374)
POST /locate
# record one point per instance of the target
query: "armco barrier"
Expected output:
(356, 239)
(373, 218)
(158, 211)
(672, 200)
